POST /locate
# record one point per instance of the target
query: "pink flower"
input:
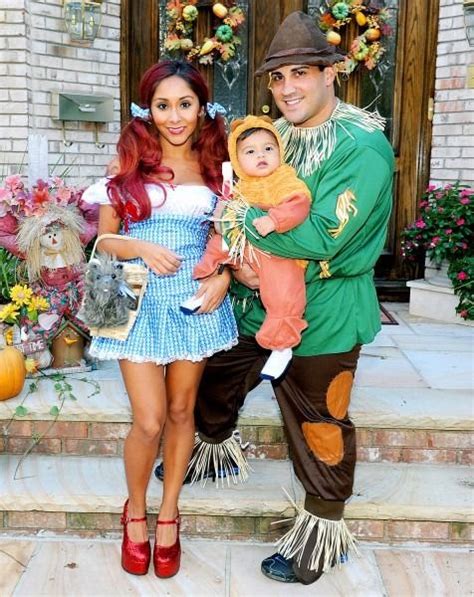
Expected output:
(5, 195)
(430, 188)
(13, 182)
(467, 192)
(439, 195)
(464, 246)
(434, 241)
(448, 187)
(465, 201)
(440, 210)
(460, 221)
(448, 231)
(424, 203)
(420, 224)
(63, 194)
(464, 313)
(462, 276)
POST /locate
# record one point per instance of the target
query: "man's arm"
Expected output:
(344, 201)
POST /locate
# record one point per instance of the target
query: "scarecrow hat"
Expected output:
(299, 41)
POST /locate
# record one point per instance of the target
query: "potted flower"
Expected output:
(443, 233)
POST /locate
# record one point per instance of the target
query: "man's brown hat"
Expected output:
(299, 41)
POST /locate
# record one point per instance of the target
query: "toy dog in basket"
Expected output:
(108, 297)
(112, 295)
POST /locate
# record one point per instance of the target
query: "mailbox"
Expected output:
(83, 107)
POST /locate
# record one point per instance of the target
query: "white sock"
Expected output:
(276, 364)
(192, 304)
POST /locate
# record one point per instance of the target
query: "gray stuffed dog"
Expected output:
(107, 296)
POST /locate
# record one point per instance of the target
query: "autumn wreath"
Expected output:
(221, 45)
(368, 47)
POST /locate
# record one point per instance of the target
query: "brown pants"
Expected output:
(313, 396)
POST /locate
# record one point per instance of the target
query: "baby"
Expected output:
(256, 155)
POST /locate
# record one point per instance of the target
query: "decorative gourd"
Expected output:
(12, 372)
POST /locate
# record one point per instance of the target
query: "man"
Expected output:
(342, 155)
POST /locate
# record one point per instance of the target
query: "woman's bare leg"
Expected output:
(147, 393)
(182, 382)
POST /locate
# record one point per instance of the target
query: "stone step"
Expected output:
(411, 423)
(84, 495)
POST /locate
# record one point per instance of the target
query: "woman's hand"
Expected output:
(246, 276)
(214, 290)
(159, 259)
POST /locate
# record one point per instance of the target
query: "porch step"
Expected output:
(401, 424)
(84, 495)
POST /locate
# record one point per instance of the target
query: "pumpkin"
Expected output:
(372, 34)
(360, 18)
(333, 38)
(12, 372)
(219, 10)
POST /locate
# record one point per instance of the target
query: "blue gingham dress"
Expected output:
(162, 333)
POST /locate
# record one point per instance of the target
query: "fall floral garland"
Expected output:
(367, 48)
(222, 45)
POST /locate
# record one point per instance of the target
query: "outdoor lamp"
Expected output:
(469, 20)
(82, 18)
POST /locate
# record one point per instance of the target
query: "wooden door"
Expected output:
(402, 91)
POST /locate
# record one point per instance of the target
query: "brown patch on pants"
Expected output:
(325, 441)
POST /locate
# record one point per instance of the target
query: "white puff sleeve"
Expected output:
(97, 193)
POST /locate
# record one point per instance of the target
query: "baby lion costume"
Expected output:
(286, 199)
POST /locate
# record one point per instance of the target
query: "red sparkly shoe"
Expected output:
(135, 556)
(167, 559)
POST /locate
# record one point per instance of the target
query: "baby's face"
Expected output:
(259, 154)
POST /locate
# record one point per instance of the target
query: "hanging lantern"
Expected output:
(83, 18)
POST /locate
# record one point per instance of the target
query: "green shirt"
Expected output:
(342, 306)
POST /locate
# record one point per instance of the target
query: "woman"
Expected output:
(169, 167)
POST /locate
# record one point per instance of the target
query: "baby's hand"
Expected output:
(264, 225)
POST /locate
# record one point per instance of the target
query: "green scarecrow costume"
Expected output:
(347, 163)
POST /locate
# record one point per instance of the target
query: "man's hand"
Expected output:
(264, 225)
(246, 276)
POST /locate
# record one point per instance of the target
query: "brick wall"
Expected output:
(452, 155)
(38, 59)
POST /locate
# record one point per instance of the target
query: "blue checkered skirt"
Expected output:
(162, 333)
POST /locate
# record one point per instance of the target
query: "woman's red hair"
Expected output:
(140, 152)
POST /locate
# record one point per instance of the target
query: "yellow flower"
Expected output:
(8, 335)
(21, 294)
(9, 313)
(38, 303)
(31, 365)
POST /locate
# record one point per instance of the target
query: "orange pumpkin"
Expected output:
(372, 34)
(12, 372)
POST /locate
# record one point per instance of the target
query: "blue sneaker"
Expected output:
(279, 568)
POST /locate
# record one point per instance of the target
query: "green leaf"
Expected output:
(21, 411)
(54, 411)
(58, 387)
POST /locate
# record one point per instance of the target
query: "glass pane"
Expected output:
(378, 85)
(230, 78)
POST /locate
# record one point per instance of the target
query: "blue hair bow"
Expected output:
(215, 108)
(137, 112)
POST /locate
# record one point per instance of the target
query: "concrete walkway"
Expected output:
(62, 566)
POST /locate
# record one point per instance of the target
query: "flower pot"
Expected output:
(437, 273)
